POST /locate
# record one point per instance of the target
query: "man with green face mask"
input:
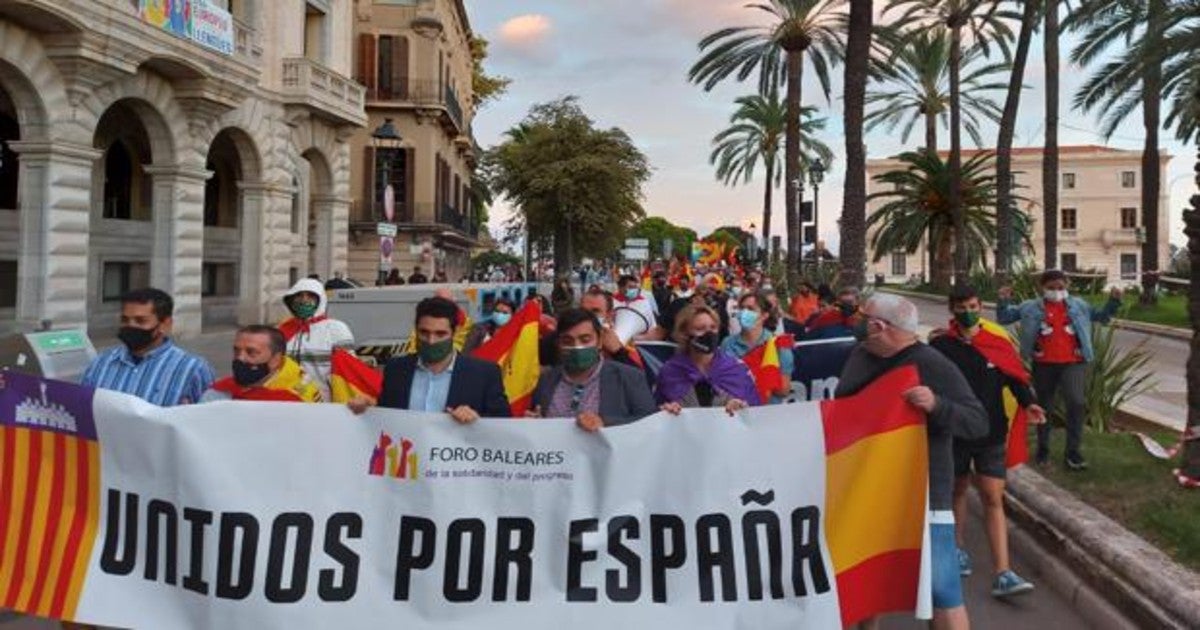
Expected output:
(585, 386)
(437, 378)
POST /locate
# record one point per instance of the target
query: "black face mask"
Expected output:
(247, 374)
(704, 344)
(136, 339)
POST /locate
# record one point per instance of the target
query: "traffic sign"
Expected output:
(636, 253)
(641, 243)
(386, 229)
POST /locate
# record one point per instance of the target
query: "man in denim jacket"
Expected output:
(1056, 337)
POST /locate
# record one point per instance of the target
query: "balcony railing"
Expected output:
(306, 82)
(246, 43)
(421, 93)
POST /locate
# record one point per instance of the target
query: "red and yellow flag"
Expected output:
(877, 468)
(995, 344)
(514, 348)
(349, 377)
(764, 365)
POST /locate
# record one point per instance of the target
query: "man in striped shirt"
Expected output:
(148, 364)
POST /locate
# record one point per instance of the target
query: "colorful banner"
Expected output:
(197, 20)
(267, 515)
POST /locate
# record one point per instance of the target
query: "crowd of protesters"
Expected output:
(716, 318)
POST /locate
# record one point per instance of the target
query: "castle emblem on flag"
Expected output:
(43, 413)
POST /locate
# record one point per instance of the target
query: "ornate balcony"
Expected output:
(422, 94)
(324, 92)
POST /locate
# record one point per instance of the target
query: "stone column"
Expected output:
(333, 234)
(267, 250)
(55, 182)
(178, 253)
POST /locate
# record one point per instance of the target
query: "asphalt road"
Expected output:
(1166, 404)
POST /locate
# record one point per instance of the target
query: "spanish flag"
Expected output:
(994, 343)
(876, 481)
(763, 362)
(647, 279)
(515, 348)
(349, 377)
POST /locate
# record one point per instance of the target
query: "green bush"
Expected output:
(1114, 377)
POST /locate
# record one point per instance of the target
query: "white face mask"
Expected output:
(1055, 296)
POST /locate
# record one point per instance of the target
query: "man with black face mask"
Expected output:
(148, 364)
(261, 371)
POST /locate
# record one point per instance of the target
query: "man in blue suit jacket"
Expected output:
(439, 379)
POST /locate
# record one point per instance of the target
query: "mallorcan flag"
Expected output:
(515, 348)
(49, 494)
(764, 365)
(349, 377)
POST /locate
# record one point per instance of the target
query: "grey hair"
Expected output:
(898, 311)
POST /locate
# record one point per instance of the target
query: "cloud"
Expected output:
(525, 31)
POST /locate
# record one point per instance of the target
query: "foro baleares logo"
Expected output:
(394, 458)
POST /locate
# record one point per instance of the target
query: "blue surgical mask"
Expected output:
(748, 318)
(501, 318)
(632, 294)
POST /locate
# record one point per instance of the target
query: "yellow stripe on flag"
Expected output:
(864, 514)
(89, 531)
(41, 512)
(13, 539)
(70, 498)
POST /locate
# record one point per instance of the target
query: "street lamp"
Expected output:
(387, 143)
(816, 174)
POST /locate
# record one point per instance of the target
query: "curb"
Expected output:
(1172, 332)
(1148, 588)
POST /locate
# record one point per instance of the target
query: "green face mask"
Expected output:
(435, 352)
(304, 311)
(967, 319)
(580, 360)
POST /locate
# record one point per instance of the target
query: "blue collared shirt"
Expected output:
(430, 391)
(166, 376)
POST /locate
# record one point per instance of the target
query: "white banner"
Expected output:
(212, 26)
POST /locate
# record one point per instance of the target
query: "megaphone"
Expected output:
(629, 323)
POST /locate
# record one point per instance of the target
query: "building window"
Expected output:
(118, 182)
(899, 264)
(8, 284)
(295, 206)
(391, 167)
(118, 278)
(1129, 266)
(1068, 219)
(392, 67)
(1128, 179)
(1128, 218)
(9, 168)
(1068, 180)
(314, 33)
(218, 279)
(1069, 262)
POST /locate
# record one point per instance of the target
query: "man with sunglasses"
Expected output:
(585, 386)
(887, 332)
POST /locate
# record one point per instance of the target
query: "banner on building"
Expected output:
(199, 20)
(253, 515)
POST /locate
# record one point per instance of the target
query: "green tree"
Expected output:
(571, 182)
(1190, 462)
(493, 258)
(795, 31)
(484, 86)
(917, 203)
(657, 229)
(1005, 205)
(985, 22)
(754, 135)
(853, 226)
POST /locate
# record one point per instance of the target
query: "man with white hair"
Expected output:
(887, 331)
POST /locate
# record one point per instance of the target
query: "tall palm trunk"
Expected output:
(958, 217)
(1050, 152)
(1151, 185)
(1006, 247)
(931, 136)
(943, 265)
(791, 166)
(768, 189)
(853, 235)
(931, 148)
(1190, 464)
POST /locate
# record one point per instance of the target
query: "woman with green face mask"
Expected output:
(583, 386)
(311, 334)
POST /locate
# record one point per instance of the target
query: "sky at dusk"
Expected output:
(627, 61)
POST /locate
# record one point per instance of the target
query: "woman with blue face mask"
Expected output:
(502, 313)
(758, 323)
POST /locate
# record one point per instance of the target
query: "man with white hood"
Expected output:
(311, 335)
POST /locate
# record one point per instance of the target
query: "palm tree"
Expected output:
(1190, 463)
(1122, 84)
(798, 30)
(854, 195)
(985, 22)
(1008, 123)
(755, 134)
(918, 203)
(917, 87)
(1050, 151)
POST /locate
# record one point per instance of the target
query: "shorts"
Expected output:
(986, 461)
(943, 551)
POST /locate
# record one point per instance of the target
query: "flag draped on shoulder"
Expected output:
(515, 348)
(994, 343)
(349, 377)
(764, 365)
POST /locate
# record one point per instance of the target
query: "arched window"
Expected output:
(118, 182)
(9, 168)
(295, 205)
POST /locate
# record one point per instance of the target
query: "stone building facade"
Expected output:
(414, 58)
(131, 155)
(1099, 212)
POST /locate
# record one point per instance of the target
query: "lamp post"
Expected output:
(816, 174)
(387, 143)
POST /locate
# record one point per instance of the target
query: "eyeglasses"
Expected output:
(577, 397)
